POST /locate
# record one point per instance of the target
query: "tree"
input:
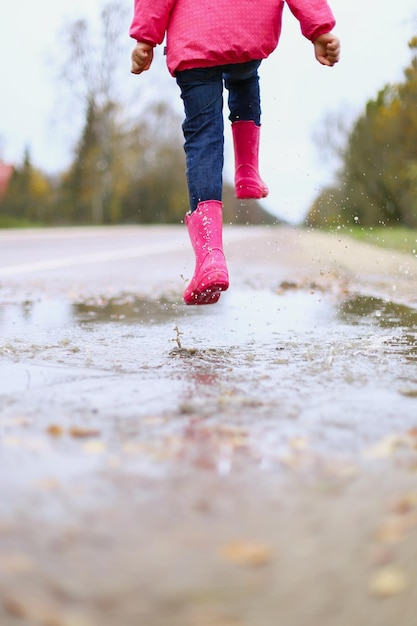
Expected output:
(90, 70)
(377, 180)
(28, 197)
(125, 168)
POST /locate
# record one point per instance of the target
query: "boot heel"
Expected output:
(250, 192)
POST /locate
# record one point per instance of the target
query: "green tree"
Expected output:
(155, 164)
(93, 187)
(377, 180)
(29, 196)
(126, 167)
(90, 188)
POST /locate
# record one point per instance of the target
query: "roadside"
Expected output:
(318, 256)
(392, 237)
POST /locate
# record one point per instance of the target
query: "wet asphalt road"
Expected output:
(157, 448)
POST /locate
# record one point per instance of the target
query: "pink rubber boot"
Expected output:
(210, 275)
(248, 182)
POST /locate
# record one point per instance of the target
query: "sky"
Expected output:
(298, 94)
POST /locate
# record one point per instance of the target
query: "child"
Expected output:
(211, 43)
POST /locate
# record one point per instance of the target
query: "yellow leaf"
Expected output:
(386, 448)
(12, 442)
(389, 581)
(80, 432)
(94, 447)
(55, 431)
(299, 444)
(247, 553)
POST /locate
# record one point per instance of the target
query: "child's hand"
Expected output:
(327, 49)
(142, 57)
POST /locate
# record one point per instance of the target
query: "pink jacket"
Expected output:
(203, 33)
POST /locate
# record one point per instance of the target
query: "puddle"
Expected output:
(277, 365)
(60, 313)
(15, 318)
(296, 308)
(126, 308)
(240, 318)
(264, 309)
(375, 311)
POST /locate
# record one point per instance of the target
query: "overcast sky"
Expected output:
(297, 93)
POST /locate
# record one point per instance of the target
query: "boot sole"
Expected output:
(244, 192)
(209, 295)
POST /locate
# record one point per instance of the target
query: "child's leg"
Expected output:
(242, 81)
(202, 93)
(203, 128)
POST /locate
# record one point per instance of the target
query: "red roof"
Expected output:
(6, 172)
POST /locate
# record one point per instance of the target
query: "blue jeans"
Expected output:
(203, 127)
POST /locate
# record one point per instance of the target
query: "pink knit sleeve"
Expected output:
(315, 17)
(150, 20)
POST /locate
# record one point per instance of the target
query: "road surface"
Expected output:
(250, 463)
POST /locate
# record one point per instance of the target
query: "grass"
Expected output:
(396, 238)
(17, 222)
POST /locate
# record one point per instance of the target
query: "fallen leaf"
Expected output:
(299, 444)
(291, 460)
(79, 432)
(37, 611)
(12, 442)
(16, 563)
(24, 442)
(154, 421)
(405, 505)
(247, 553)
(386, 447)
(94, 447)
(392, 531)
(389, 581)
(15, 607)
(15, 421)
(287, 285)
(47, 484)
(55, 431)
(409, 392)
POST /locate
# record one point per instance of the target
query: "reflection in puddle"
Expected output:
(59, 313)
(253, 313)
(125, 308)
(378, 313)
(41, 313)
(369, 310)
(243, 313)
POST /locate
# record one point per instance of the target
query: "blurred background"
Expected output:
(82, 141)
